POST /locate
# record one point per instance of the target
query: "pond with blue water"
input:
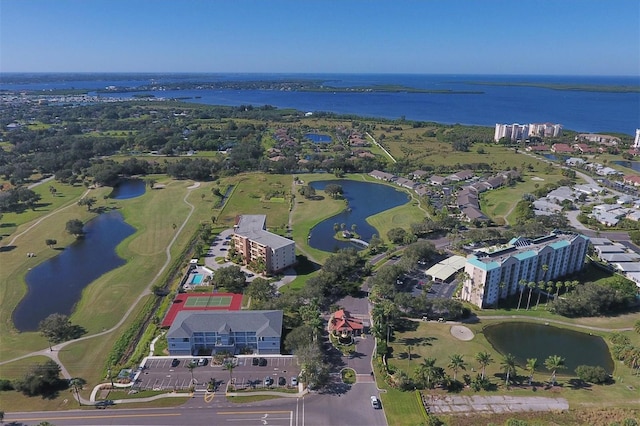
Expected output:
(128, 188)
(56, 285)
(634, 165)
(318, 138)
(364, 199)
(529, 340)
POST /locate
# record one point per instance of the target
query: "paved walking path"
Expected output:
(547, 320)
(57, 348)
(381, 147)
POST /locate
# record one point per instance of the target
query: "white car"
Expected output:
(294, 381)
(375, 402)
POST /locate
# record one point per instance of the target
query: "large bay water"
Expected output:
(56, 285)
(528, 340)
(579, 110)
(364, 199)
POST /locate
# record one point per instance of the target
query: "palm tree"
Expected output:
(501, 286)
(191, 366)
(409, 347)
(508, 366)
(427, 370)
(559, 285)
(77, 384)
(636, 326)
(554, 363)
(549, 291)
(531, 285)
(483, 359)
(541, 285)
(456, 363)
(532, 364)
(522, 283)
(229, 366)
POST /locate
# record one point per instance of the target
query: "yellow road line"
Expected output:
(113, 416)
(208, 397)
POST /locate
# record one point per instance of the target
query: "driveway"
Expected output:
(219, 249)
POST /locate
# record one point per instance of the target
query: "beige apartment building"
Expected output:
(252, 241)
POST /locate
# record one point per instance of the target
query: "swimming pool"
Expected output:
(197, 279)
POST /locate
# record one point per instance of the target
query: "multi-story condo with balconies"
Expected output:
(513, 132)
(210, 332)
(253, 242)
(545, 130)
(502, 271)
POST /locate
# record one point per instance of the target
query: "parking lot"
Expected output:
(162, 373)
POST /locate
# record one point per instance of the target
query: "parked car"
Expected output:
(175, 362)
(294, 381)
(375, 402)
(282, 381)
(262, 362)
(268, 381)
(202, 362)
(255, 361)
(104, 404)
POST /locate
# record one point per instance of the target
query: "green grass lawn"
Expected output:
(252, 195)
(105, 301)
(434, 340)
(499, 203)
(64, 195)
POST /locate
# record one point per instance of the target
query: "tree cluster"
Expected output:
(58, 328)
(42, 379)
(339, 276)
(595, 299)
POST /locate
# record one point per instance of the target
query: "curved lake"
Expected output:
(364, 199)
(56, 285)
(528, 340)
(128, 188)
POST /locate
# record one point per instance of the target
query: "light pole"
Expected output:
(110, 377)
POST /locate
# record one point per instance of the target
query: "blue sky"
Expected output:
(552, 37)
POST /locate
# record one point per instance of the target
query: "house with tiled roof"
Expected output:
(561, 148)
(438, 180)
(632, 180)
(343, 324)
(377, 174)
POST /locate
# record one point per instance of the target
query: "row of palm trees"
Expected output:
(428, 374)
(542, 286)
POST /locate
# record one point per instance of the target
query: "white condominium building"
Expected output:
(515, 132)
(636, 141)
(520, 132)
(545, 130)
(501, 271)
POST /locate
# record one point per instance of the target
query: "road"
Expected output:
(351, 408)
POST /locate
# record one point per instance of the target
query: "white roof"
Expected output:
(445, 269)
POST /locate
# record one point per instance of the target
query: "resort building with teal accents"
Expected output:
(498, 272)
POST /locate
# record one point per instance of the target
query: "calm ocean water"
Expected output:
(576, 110)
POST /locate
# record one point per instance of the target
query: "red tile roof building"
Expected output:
(342, 323)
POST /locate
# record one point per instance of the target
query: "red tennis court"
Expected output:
(202, 302)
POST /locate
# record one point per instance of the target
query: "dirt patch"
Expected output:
(461, 332)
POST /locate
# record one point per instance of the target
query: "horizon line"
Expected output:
(317, 73)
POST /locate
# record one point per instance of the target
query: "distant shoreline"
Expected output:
(557, 86)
